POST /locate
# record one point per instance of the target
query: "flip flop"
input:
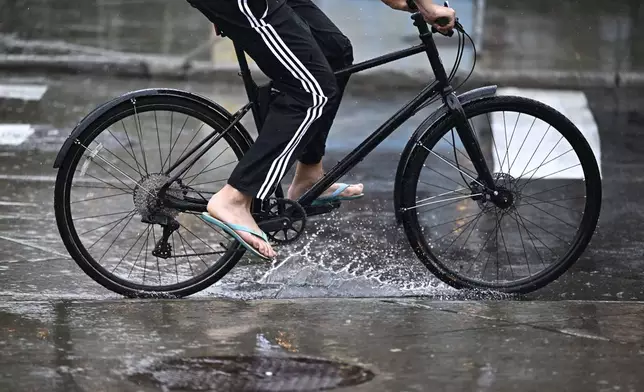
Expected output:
(335, 196)
(231, 229)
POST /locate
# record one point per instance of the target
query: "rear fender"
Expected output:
(209, 105)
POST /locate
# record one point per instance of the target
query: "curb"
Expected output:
(377, 79)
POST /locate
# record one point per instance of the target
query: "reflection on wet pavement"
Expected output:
(447, 346)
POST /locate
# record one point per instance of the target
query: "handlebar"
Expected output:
(443, 21)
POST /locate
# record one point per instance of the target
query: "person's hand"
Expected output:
(400, 5)
(432, 12)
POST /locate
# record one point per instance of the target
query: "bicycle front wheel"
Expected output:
(551, 187)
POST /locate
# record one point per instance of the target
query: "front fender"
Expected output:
(102, 109)
(439, 114)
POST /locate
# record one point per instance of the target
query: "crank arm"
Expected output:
(322, 209)
(275, 224)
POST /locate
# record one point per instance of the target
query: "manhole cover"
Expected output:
(251, 373)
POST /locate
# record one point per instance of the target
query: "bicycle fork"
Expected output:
(463, 127)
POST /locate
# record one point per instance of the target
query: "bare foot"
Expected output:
(233, 207)
(307, 175)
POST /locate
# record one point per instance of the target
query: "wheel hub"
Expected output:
(506, 195)
(146, 196)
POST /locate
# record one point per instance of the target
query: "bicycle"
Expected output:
(166, 198)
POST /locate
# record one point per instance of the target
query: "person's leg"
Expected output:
(284, 49)
(337, 49)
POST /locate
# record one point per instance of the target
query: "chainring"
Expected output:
(278, 207)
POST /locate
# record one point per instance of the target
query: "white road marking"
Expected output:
(30, 245)
(26, 92)
(18, 204)
(14, 134)
(554, 154)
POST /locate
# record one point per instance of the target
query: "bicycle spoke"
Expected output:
(110, 230)
(156, 123)
(482, 248)
(119, 158)
(438, 186)
(532, 235)
(98, 216)
(442, 201)
(186, 252)
(154, 238)
(535, 152)
(523, 143)
(145, 243)
(462, 232)
(554, 216)
(193, 249)
(137, 123)
(129, 141)
(443, 175)
(129, 250)
(552, 160)
(551, 174)
(507, 149)
(452, 221)
(115, 238)
(525, 252)
(505, 246)
(194, 177)
(555, 204)
(451, 164)
(207, 171)
(176, 140)
(552, 189)
(107, 224)
(99, 198)
(454, 146)
(498, 156)
(542, 229)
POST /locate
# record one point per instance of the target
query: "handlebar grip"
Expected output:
(444, 21)
(448, 34)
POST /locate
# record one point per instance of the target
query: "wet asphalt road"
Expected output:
(402, 345)
(355, 252)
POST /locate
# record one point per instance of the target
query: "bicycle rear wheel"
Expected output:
(107, 204)
(551, 187)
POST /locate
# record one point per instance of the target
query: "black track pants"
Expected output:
(296, 45)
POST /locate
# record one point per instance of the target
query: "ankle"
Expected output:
(232, 197)
(305, 173)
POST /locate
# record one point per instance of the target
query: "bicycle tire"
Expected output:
(237, 138)
(433, 133)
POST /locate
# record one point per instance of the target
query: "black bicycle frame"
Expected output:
(440, 85)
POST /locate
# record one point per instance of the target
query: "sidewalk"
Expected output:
(379, 344)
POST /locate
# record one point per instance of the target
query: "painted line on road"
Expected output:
(15, 134)
(29, 245)
(573, 105)
(25, 92)
(18, 204)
